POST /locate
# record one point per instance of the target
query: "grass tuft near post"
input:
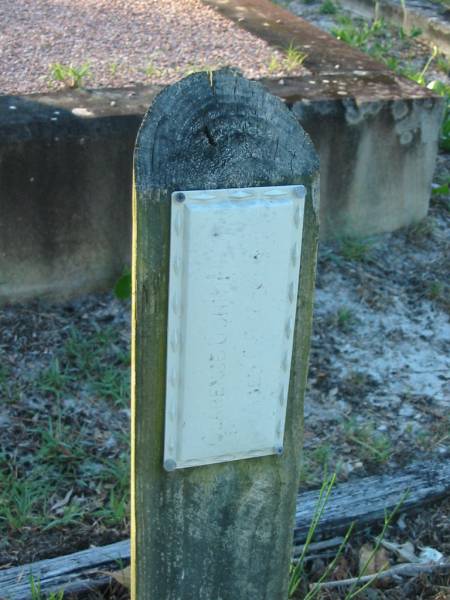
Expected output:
(222, 531)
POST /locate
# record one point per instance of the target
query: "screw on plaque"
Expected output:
(180, 197)
(170, 465)
(279, 450)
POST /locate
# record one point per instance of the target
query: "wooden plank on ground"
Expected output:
(76, 572)
(363, 501)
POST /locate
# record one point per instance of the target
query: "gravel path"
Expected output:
(124, 41)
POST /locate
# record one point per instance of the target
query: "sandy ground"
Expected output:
(378, 391)
(124, 42)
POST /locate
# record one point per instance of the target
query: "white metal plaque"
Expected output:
(234, 271)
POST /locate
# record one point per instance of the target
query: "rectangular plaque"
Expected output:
(234, 272)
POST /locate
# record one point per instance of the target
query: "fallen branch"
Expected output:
(405, 570)
(316, 546)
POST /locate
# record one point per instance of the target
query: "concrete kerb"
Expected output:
(65, 188)
(376, 132)
(66, 159)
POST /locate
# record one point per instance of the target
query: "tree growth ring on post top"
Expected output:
(220, 531)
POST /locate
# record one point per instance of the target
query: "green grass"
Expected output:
(357, 36)
(192, 68)
(20, 496)
(356, 589)
(443, 189)
(60, 450)
(443, 90)
(63, 460)
(357, 379)
(28, 485)
(435, 290)
(437, 435)
(101, 364)
(72, 76)
(53, 380)
(345, 318)
(5, 375)
(37, 594)
(60, 447)
(370, 444)
(113, 68)
(442, 64)
(274, 65)
(4, 372)
(293, 57)
(115, 510)
(420, 232)
(316, 463)
(299, 574)
(438, 291)
(328, 7)
(122, 288)
(151, 70)
(354, 249)
(112, 384)
(95, 363)
(88, 355)
(375, 38)
(10, 390)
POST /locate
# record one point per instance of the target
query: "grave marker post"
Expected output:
(213, 502)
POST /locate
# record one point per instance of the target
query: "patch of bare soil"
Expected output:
(380, 361)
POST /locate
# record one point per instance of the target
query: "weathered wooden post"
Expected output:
(220, 358)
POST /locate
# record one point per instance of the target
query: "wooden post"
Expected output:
(224, 530)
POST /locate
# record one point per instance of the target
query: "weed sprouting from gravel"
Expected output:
(294, 57)
(274, 65)
(152, 70)
(114, 68)
(70, 75)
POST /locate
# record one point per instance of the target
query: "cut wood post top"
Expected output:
(219, 130)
